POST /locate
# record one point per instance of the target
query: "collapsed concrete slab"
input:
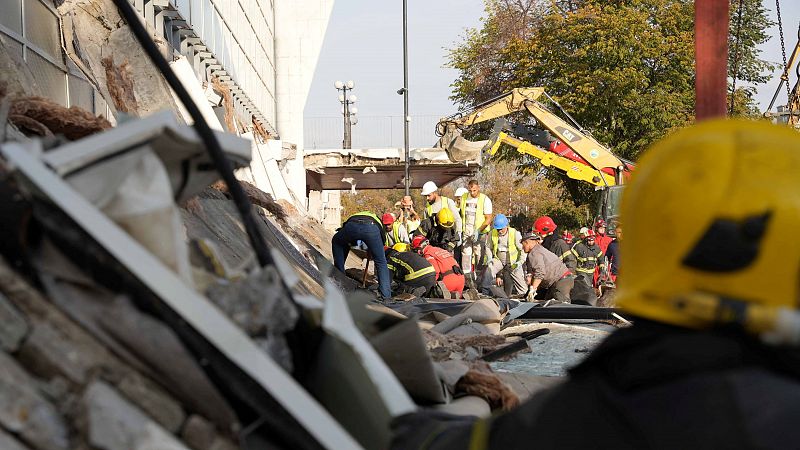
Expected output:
(353, 169)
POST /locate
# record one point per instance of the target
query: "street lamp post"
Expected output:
(348, 112)
(406, 117)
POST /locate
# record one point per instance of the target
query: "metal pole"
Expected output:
(711, 58)
(406, 117)
(347, 130)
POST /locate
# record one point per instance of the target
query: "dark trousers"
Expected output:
(426, 282)
(558, 291)
(369, 234)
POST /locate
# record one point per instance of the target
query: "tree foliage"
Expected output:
(623, 68)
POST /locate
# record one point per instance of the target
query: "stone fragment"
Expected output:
(153, 400)
(14, 326)
(7, 442)
(114, 424)
(200, 434)
(25, 412)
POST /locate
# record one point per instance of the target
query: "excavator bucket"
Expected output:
(459, 149)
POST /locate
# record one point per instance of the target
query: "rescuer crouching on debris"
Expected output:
(710, 362)
(439, 230)
(506, 255)
(447, 269)
(363, 226)
(412, 272)
(548, 277)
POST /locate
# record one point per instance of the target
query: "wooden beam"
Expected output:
(711, 58)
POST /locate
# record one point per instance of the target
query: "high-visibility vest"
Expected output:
(513, 251)
(429, 208)
(479, 217)
(395, 234)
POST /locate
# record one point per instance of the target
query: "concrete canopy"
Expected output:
(381, 168)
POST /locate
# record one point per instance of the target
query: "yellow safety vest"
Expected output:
(479, 217)
(395, 233)
(445, 204)
(513, 251)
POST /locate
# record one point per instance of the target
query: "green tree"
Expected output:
(623, 68)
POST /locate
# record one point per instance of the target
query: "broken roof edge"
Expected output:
(428, 155)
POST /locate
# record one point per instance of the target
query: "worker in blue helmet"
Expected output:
(506, 256)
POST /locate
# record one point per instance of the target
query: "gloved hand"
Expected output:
(531, 295)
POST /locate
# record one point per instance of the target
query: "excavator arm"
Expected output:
(587, 148)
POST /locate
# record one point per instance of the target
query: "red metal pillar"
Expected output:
(711, 58)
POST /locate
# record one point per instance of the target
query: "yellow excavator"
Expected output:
(788, 114)
(574, 152)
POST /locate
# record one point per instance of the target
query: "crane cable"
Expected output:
(785, 76)
(736, 56)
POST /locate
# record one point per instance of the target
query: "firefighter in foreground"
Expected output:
(713, 357)
(548, 277)
(412, 272)
(447, 269)
(505, 255)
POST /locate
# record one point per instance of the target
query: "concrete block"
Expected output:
(25, 412)
(152, 400)
(14, 326)
(48, 353)
(200, 434)
(115, 424)
(7, 442)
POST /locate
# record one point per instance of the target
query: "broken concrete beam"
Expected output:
(7, 442)
(153, 400)
(200, 434)
(14, 326)
(114, 424)
(25, 412)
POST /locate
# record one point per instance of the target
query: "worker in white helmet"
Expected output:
(435, 204)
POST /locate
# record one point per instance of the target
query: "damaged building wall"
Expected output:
(300, 26)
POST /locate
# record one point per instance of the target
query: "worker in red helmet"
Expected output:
(602, 238)
(447, 269)
(395, 232)
(545, 227)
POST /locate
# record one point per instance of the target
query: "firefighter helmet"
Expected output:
(400, 247)
(419, 242)
(445, 217)
(544, 225)
(707, 213)
(387, 219)
(599, 223)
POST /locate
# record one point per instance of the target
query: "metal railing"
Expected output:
(371, 132)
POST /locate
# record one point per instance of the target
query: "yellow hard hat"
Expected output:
(401, 247)
(707, 216)
(445, 218)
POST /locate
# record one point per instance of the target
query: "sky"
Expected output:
(364, 43)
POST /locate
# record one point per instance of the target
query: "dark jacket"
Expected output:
(654, 386)
(561, 249)
(408, 266)
(437, 235)
(613, 256)
(587, 257)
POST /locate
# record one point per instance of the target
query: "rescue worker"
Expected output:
(505, 254)
(712, 359)
(568, 237)
(363, 226)
(589, 257)
(602, 238)
(408, 216)
(458, 194)
(395, 232)
(613, 254)
(439, 230)
(545, 227)
(548, 277)
(436, 202)
(476, 218)
(412, 272)
(447, 269)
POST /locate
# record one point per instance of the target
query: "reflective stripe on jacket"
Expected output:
(409, 265)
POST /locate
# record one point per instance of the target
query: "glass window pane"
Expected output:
(11, 14)
(41, 28)
(14, 47)
(50, 78)
(80, 94)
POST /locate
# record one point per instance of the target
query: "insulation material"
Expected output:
(120, 85)
(183, 70)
